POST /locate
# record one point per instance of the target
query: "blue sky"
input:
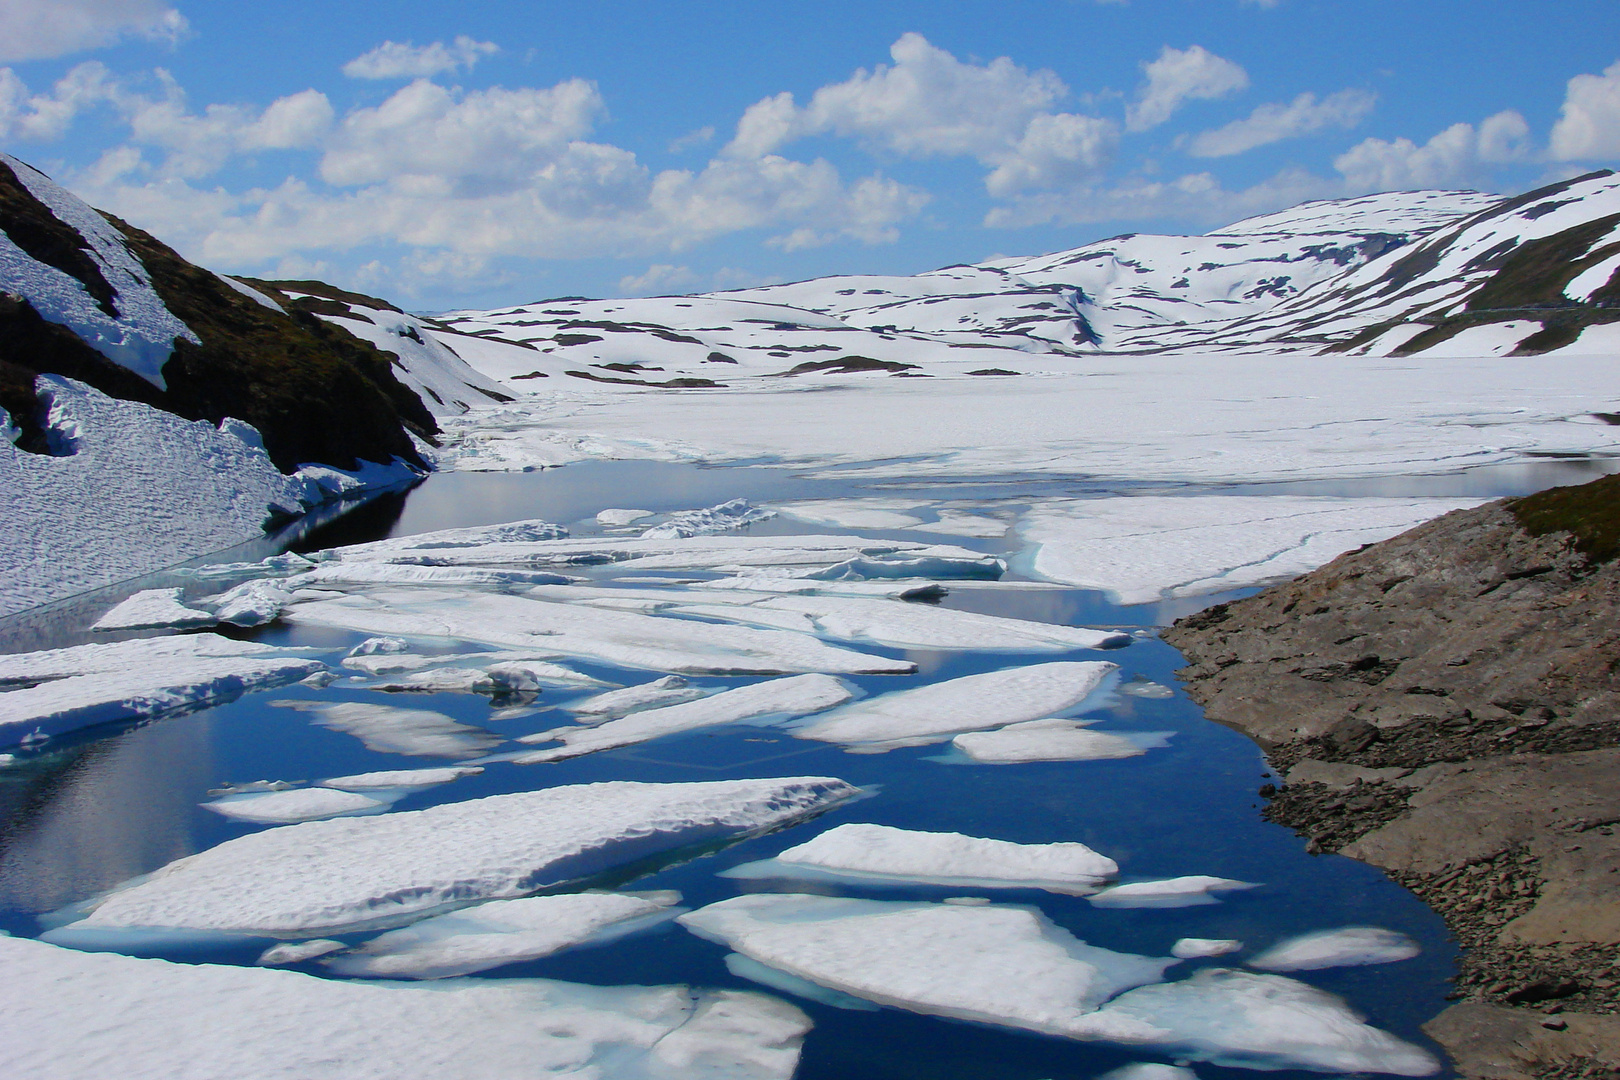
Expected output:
(484, 154)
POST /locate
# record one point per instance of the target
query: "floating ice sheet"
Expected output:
(324, 877)
(1053, 739)
(152, 609)
(855, 513)
(1350, 946)
(935, 712)
(296, 952)
(670, 690)
(401, 778)
(388, 729)
(252, 603)
(759, 703)
(725, 517)
(287, 807)
(881, 853)
(84, 1016)
(500, 932)
(1190, 891)
(1189, 948)
(623, 638)
(996, 964)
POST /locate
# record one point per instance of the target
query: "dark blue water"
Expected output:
(83, 815)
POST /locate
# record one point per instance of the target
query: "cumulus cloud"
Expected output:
(700, 137)
(1178, 76)
(930, 104)
(1455, 156)
(40, 29)
(24, 115)
(1588, 128)
(1305, 115)
(402, 60)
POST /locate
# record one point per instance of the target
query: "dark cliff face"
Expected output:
(315, 392)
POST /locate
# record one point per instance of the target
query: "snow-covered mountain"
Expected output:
(1397, 272)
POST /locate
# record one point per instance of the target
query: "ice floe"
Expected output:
(1190, 948)
(620, 517)
(725, 517)
(69, 1015)
(301, 804)
(343, 575)
(627, 639)
(389, 729)
(1054, 739)
(85, 685)
(758, 703)
(997, 964)
(938, 711)
(1148, 1070)
(870, 852)
(1350, 946)
(324, 877)
(401, 778)
(296, 952)
(500, 932)
(855, 513)
(1190, 891)
(252, 603)
(152, 609)
(670, 690)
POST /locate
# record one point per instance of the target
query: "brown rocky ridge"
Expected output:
(1446, 705)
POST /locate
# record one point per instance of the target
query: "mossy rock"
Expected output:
(1590, 513)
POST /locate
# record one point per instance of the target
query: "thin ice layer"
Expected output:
(880, 851)
(1190, 891)
(388, 729)
(499, 932)
(1349, 946)
(623, 638)
(1052, 739)
(995, 964)
(765, 702)
(319, 877)
(287, 807)
(938, 711)
(87, 1016)
(401, 778)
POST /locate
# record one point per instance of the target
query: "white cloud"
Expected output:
(659, 278)
(930, 104)
(700, 137)
(1197, 198)
(200, 144)
(1453, 157)
(39, 29)
(48, 116)
(1273, 123)
(1178, 76)
(402, 60)
(1589, 126)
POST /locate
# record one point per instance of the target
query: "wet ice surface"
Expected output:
(1000, 726)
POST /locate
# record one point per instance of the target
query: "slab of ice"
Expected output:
(152, 609)
(1350, 946)
(616, 517)
(300, 804)
(401, 778)
(1189, 948)
(943, 567)
(343, 574)
(884, 853)
(670, 690)
(85, 1016)
(754, 971)
(958, 523)
(1191, 891)
(1242, 1020)
(716, 519)
(296, 952)
(997, 964)
(506, 677)
(252, 603)
(623, 638)
(349, 873)
(388, 729)
(500, 932)
(758, 703)
(135, 680)
(1144, 548)
(1148, 1070)
(940, 710)
(385, 645)
(855, 513)
(1053, 739)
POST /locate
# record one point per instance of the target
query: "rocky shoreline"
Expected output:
(1446, 705)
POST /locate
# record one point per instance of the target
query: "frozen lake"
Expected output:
(91, 810)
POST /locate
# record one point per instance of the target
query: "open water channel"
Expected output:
(82, 814)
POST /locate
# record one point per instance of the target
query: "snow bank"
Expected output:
(995, 964)
(880, 852)
(1053, 739)
(759, 703)
(940, 710)
(500, 932)
(85, 1016)
(351, 873)
(1351, 946)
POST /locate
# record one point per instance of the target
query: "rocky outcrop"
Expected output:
(1446, 705)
